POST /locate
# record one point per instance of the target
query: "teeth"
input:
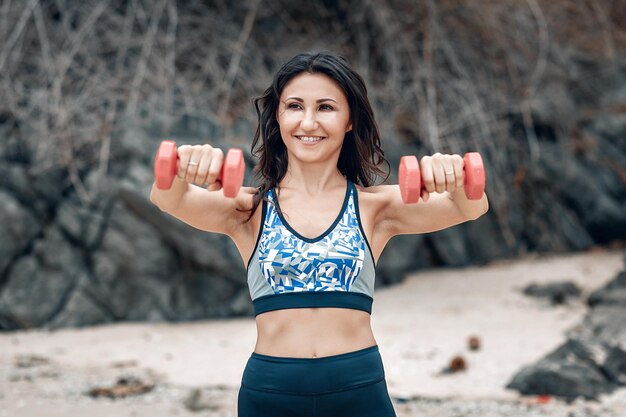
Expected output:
(309, 138)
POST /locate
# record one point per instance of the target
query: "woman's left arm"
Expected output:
(469, 209)
(442, 204)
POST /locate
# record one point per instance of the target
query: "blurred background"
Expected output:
(89, 89)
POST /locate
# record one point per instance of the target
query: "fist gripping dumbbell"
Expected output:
(411, 184)
(166, 166)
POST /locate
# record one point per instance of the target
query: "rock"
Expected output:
(457, 364)
(82, 308)
(593, 359)
(556, 292)
(568, 372)
(84, 223)
(86, 171)
(18, 229)
(615, 364)
(124, 387)
(473, 343)
(605, 323)
(40, 282)
(212, 399)
(612, 294)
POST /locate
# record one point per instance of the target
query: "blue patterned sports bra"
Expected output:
(288, 270)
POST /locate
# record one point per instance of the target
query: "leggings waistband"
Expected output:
(310, 376)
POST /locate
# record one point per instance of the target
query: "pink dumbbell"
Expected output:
(411, 183)
(166, 167)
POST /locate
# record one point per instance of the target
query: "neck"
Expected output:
(311, 179)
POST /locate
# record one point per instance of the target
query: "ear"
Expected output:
(349, 127)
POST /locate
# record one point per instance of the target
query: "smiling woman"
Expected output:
(317, 125)
(312, 248)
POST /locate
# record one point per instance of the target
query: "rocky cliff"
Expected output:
(87, 93)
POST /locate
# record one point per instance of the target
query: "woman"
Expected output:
(311, 235)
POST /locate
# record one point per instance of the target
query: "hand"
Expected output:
(200, 164)
(441, 173)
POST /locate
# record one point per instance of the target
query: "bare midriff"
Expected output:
(313, 332)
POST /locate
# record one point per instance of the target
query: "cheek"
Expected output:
(343, 123)
(287, 120)
(286, 125)
(333, 119)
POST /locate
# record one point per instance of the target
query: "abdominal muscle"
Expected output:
(313, 332)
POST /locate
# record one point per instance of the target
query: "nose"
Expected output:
(309, 121)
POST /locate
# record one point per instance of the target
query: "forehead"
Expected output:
(307, 85)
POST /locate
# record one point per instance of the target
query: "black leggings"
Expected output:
(346, 385)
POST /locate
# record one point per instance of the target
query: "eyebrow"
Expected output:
(318, 101)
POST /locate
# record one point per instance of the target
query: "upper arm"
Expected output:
(211, 211)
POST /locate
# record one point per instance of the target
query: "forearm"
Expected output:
(471, 209)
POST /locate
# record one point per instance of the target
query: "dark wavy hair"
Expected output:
(361, 154)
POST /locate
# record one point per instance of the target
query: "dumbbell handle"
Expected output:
(166, 167)
(411, 182)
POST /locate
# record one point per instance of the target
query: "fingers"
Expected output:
(184, 154)
(193, 165)
(441, 173)
(202, 167)
(428, 174)
(199, 164)
(215, 167)
(459, 173)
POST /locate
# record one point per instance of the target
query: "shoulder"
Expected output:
(375, 195)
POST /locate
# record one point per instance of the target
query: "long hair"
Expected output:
(361, 154)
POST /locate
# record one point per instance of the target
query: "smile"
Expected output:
(310, 139)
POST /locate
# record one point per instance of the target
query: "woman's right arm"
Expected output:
(205, 209)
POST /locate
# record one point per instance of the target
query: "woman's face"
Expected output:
(314, 116)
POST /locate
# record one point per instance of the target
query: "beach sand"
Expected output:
(419, 325)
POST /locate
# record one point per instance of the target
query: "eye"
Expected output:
(293, 106)
(326, 107)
